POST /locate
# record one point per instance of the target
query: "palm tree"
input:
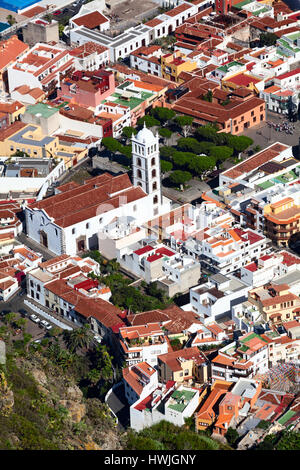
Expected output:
(94, 376)
(78, 338)
(11, 20)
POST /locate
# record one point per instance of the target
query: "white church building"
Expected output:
(73, 220)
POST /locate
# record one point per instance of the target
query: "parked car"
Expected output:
(46, 324)
(34, 318)
(23, 312)
(57, 12)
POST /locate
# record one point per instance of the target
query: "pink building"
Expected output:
(87, 88)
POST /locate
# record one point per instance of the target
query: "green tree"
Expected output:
(11, 20)
(185, 123)
(166, 152)
(268, 39)
(94, 376)
(149, 121)
(189, 144)
(162, 114)
(127, 132)
(183, 159)
(9, 318)
(207, 132)
(232, 436)
(238, 143)
(61, 28)
(200, 164)
(111, 144)
(49, 17)
(78, 338)
(165, 133)
(208, 96)
(180, 177)
(104, 363)
(20, 322)
(221, 153)
(165, 166)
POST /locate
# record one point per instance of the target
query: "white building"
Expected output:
(139, 380)
(147, 60)
(142, 343)
(90, 56)
(262, 271)
(244, 358)
(165, 403)
(215, 299)
(20, 261)
(155, 262)
(120, 46)
(73, 221)
(40, 67)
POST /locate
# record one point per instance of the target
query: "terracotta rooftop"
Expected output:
(91, 20)
(257, 160)
(173, 359)
(10, 50)
(82, 203)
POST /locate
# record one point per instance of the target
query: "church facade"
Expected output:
(72, 220)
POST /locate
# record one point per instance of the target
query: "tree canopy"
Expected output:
(268, 39)
(163, 114)
(111, 144)
(180, 177)
(165, 166)
(150, 121)
(221, 153)
(166, 152)
(165, 133)
(127, 131)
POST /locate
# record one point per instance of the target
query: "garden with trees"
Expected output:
(194, 155)
(134, 298)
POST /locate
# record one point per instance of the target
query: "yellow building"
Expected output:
(238, 80)
(71, 154)
(189, 364)
(13, 110)
(29, 139)
(173, 64)
(276, 303)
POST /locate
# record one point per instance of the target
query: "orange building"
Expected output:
(282, 219)
(225, 403)
(232, 112)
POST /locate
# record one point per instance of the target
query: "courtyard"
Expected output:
(264, 135)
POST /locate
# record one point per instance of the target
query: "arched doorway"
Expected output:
(44, 238)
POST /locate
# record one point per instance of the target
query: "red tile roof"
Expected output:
(82, 203)
(289, 74)
(10, 50)
(91, 20)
